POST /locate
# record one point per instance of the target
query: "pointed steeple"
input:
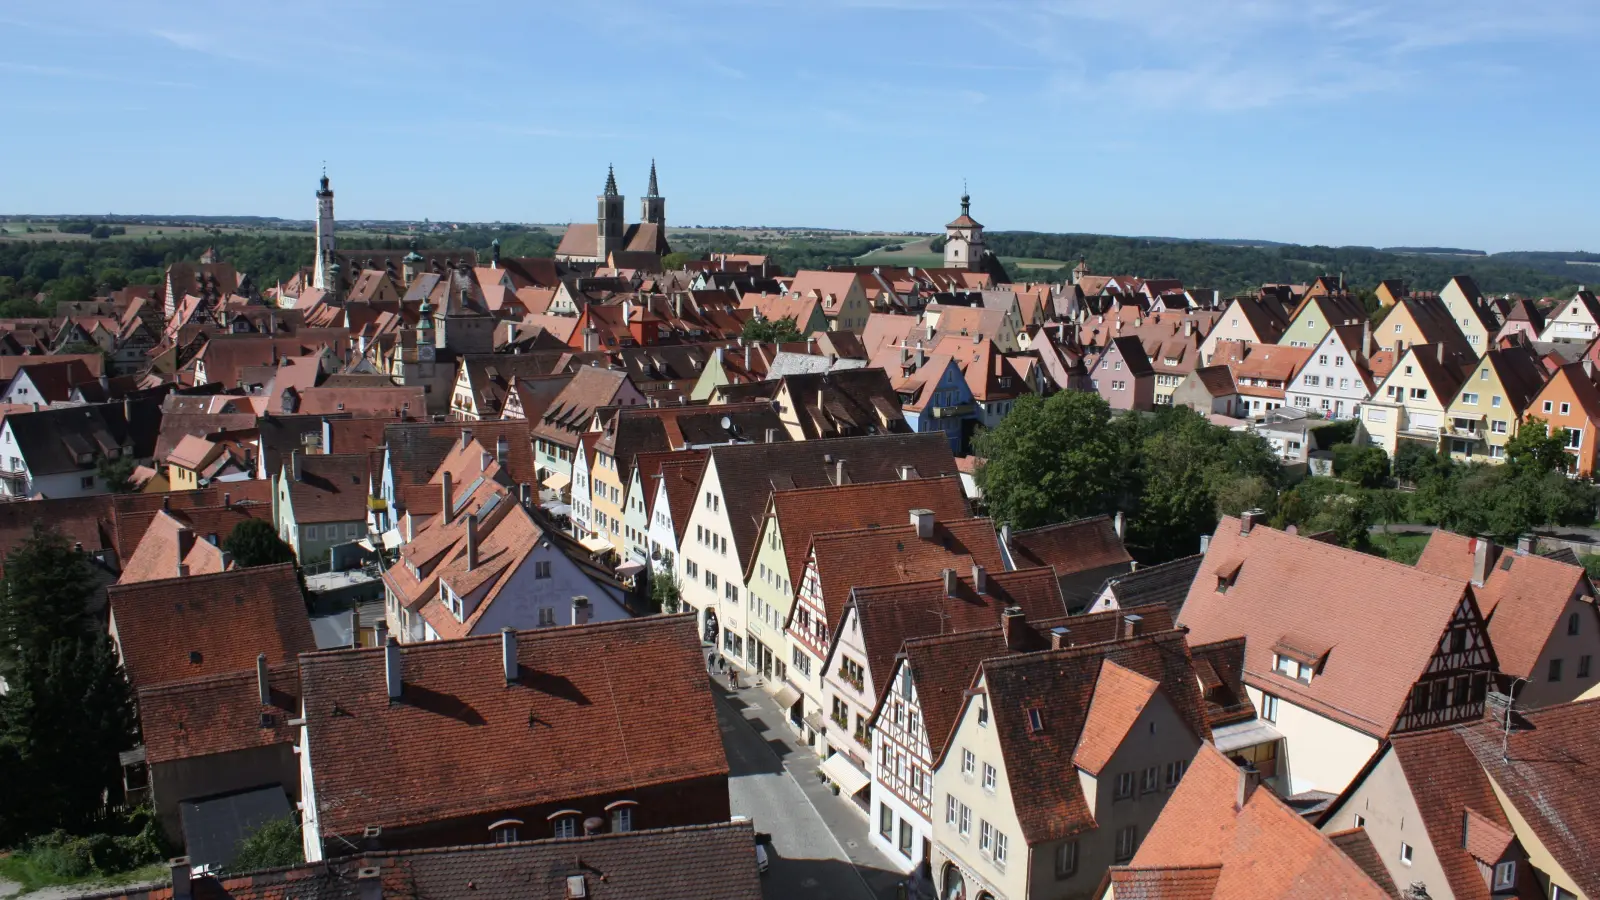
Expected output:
(611, 181)
(966, 199)
(654, 191)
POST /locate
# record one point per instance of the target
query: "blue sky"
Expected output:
(1439, 122)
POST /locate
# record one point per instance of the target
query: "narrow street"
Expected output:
(819, 845)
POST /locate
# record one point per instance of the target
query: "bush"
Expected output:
(275, 844)
(1334, 433)
(1366, 466)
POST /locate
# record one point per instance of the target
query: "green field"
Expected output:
(46, 232)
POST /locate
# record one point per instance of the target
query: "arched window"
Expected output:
(504, 831)
(621, 815)
(565, 823)
(955, 888)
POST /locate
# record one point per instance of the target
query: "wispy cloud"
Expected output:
(77, 74)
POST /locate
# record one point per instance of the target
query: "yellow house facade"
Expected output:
(1411, 403)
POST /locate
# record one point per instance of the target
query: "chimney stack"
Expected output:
(1249, 779)
(472, 541)
(923, 519)
(1247, 521)
(949, 582)
(369, 883)
(294, 465)
(838, 471)
(263, 688)
(1117, 524)
(502, 450)
(227, 499)
(1014, 626)
(380, 632)
(181, 873)
(1525, 544)
(1439, 352)
(466, 437)
(391, 667)
(1480, 561)
(508, 654)
(1132, 625)
(980, 580)
(1205, 543)
(1060, 637)
(581, 610)
(445, 511)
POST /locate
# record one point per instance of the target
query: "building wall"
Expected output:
(1385, 807)
(1549, 871)
(1232, 326)
(808, 641)
(1570, 650)
(603, 480)
(1557, 395)
(312, 541)
(582, 496)
(901, 760)
(525, 595)
(849, 645)
(635, 522)
(1307, 329)
(663, 538)
(995, 807)
(704, 537)
(1482, 401)
(1339, 390)
(1319, 753)
(1465, 318)
(173, 782)
(1413, 422)
(770, 595)
(1572, 324)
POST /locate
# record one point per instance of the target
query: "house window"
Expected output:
(1572, 624)
(1548, 406)
(504, 834)
(950, 809)
(566, 826)
(1360, 820)
(990, 777)
(969, 763)
(905, 838)
(1498, 426)
(885, 821)
(1419, 393)
(1269, 708)
(1127, 842)
(1291, 668)
(983, 713)
(547, 617)
(1000, 849)
(1566, 408)
(1583, 666)
(1175, 771)
(985, 836)
(1505, 876)
(541, 568)
(1555, 670)
(1036, 719)
(1405, 853)
(622, 819)
(1124, 785)
(964, 825)
(1469, 398)
(1066, 860)
(1574, 438)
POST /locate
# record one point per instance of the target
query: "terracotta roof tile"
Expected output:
(1357, 844)
(1070, 547)
(636, 688)
(1524, 598)
(1119, 698)
(848, 560)
(417, 450)
(219, 714)
(1383, 625)
(178, 629)
(156, 556)
(331, 488)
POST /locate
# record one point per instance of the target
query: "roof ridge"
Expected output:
(132, 586)
(1068, 522)
(1078, 651)
(875, 485)
(207, 681)
(565, 630)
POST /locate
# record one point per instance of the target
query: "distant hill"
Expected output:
(1236, 267)
(1433, 251)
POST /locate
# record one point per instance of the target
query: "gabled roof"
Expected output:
(1120, 696)
(1524, 598)
(52, 379)
(569, 413)
(333, 487)
(1167, 583)
(1266, 315)
(1070, 547)
(1381, 627)
(1134, 358)
(748, 473)
(849, 560)
(637, 688)
(219, 714)
(168, 532)
(802, 513)
(417, 450)
(844, 402)
(51, 441)
(1206, 845)
(179, 629)
(1061, 684)
(942, 666)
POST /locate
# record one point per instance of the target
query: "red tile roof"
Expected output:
(333, 487)
(1383, 624)
(1524, 598)
(165, 531)
(1070, 547)
(131, 514)
(847, 560)
(179, 629)
(597, 709)
(1260, 851)
(219, 714)
(1120, 696)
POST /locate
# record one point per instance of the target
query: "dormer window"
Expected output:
(1291, 668)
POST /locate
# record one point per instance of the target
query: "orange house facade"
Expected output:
(1570, 402)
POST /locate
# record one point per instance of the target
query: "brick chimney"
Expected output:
(472, 541)
(295, 462)
(923, 519)
(1132, 625)
(1060, 637)
(1249, 779)
(1014, 626)
(980, 580)
(1480, 560)
(1247, 521)
(502, 450)
(445, 510)
(392, 668)
(508, 654)
(263, 688)
(181, 873)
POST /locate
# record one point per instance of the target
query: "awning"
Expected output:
(596, 544)
(813, 720)
(556, 508)
(787, 697)
(844, 773)
(629, 569)
(1244, 734)
(391, 539)
(556, 481)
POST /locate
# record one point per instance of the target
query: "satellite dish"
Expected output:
(727, 424)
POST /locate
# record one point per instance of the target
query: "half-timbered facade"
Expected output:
(1337, 671)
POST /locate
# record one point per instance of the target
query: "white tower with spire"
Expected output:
(324, 234)
(963, 239)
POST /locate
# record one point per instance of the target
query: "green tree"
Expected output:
(117, 473)
(68, 710)
(272, 845)
(1363, 465)
(672, 262)
(770, 331)
(1050, 460)
(664, 592)
(254, 542)
(1533, 449)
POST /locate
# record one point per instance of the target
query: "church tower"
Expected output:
(963, 240)
(653, 206)
(608, 233)
(324, 234)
